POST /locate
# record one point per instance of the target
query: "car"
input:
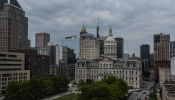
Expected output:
(144, 92)
(138, 98)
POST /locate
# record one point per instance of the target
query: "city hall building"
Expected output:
(128, 69)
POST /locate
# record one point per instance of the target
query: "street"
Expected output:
(145, 88)
(135, 95)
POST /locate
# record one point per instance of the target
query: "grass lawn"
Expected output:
(71, 96)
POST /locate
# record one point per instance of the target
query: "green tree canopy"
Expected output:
(107, 89)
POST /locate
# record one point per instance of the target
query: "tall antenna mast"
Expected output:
(98, 21)
(83, 22)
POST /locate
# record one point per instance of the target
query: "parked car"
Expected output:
(138, 98)
(144, 92)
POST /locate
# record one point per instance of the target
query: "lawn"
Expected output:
(68, 97)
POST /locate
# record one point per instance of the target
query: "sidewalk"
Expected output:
(51, 97)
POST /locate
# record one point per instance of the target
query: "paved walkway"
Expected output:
(54, 96)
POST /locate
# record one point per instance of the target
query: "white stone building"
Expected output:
(129, 69)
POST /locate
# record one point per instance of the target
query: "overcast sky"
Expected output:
(134, 20)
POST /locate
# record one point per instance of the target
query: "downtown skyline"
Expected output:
(136, 21)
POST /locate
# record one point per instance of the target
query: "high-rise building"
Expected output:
(89, 49)
(41, 39)
(120, 47)
(171, 49)
(56, 53)
(161, 47)
(151, 59)
(37, 64)
(145, 52)
(29, 42)
(83, 30)
(12, 67)
(161, 52)
(13, 26)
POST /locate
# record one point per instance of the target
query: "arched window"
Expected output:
(136, 72)
(114, 71)
(136, 78)
(126, 78)
(126, 72)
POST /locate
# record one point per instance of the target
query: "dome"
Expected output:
(83, 29)
(110, 38)
(110, 35)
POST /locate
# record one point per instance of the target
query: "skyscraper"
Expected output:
(120, 47)
(161, 52)
(41, 39)
(13, 26)
(171, 49)
(161, 47)
(145, 52)
(29, 43)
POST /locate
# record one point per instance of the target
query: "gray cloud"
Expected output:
(134, 20)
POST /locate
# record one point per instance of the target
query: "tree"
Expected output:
(12, 91)
(153, 95)
(147, 74)
(81, 82)
(89, 81)
(107, 89)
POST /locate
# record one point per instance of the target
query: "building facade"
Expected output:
(173, 66)
(130, 70)
(145, 52)
(12, 67)
(71, 71)
(56, 53)
(126, 55)
(54, 70)
(171, 49)
(161, 47)
(168, 91)
(41, 51)
(37, 64)
(13, 26)
(89, 49)
(158, 64)
(151, 59)
(101, 40)
(29, 42)
(41, 39)
(120, 47)
(165, 75)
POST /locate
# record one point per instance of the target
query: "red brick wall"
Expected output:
(163, 64)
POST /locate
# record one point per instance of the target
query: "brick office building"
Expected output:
(158, 64)
(13, 26)
(37, 64)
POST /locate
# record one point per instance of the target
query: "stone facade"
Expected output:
(130, 70)
(12, 67)
(168, 91)
(89, 49)
(165, 76)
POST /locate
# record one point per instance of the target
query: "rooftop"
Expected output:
(13, 2)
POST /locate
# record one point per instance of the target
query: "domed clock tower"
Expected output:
(110, 46)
